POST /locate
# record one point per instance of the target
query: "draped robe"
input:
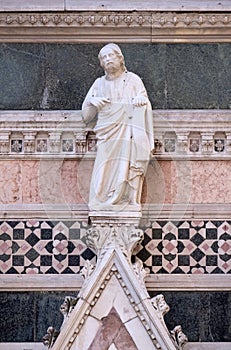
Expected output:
(124, 142)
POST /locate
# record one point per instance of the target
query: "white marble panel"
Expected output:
(85, 338)
(166, 5)
(139, 334)
(30, 5)
(112, 347)
(113, 296)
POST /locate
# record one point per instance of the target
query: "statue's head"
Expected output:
(111, 48)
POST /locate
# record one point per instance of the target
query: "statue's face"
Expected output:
(110, 60)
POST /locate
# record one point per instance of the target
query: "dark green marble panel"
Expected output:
(17, 317)
(192, 76)
(25, 317)
(58, 76)
(22, 75)
(204, 316)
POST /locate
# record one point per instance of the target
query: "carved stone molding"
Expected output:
(120, 25)
(191, 134)
(195, 134)
(154, 19)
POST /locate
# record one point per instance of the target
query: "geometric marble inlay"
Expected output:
(59, 247)
(187, 247)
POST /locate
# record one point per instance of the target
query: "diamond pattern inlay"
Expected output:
(185, 247)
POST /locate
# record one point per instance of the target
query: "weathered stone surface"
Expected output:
(170, 5)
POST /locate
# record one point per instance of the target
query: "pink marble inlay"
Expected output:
(175, 181)
(112, 331)
(5, 248)
(53, 181)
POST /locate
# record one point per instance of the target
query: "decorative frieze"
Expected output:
(179, 134)
(192, 134)
(156, 19)
(120, 25)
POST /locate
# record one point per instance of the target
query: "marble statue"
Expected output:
(124, 132)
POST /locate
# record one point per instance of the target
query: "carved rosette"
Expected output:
(123, 236)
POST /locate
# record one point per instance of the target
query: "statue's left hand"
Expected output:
(139, 101)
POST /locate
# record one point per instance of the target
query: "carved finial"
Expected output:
(51, 336)
(140, 271)
(68, 305)
(87, 270)
(179, 337)
(160, 305)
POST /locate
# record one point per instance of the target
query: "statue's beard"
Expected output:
(111, 67)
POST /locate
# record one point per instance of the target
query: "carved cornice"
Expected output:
(179, 134)
(120, 26)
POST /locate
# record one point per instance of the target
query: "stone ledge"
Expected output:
(32, 5)
(137, 5)
(157, 211)
(157, 282)
(108, 5)
(22, 346)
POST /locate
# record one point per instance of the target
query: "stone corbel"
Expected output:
(68, 306)
(81, 142)
(5, 142)
(160, 305)
(51, 336)
(182, 142)
(207, 142)
(158, 142)
(228, 142)
(162, 308)
(29, 142)
(55, 142)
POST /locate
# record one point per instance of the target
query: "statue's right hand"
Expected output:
(99, 102)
